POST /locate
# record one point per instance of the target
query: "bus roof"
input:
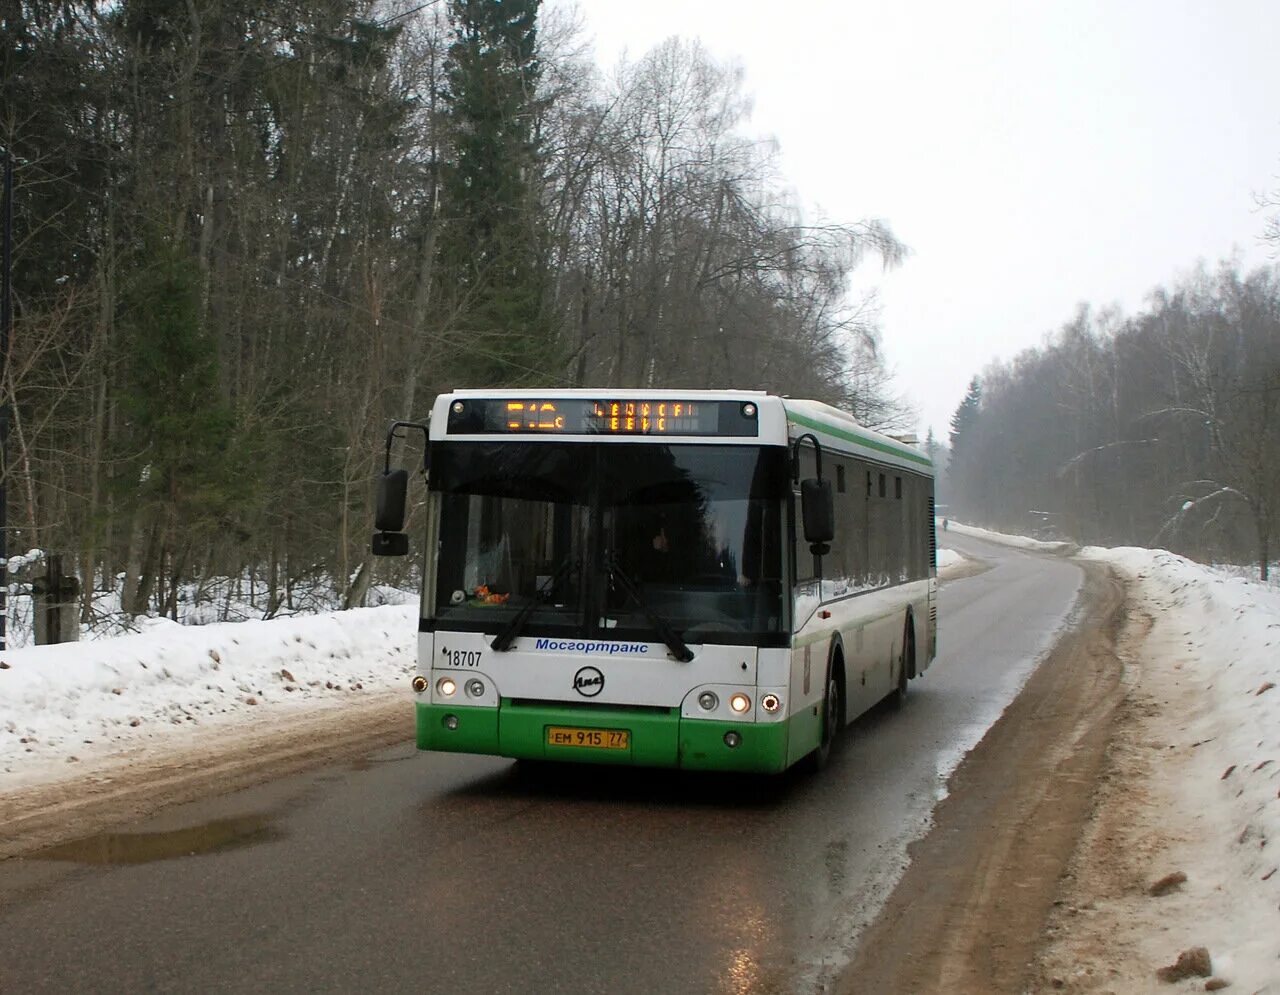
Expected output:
(781, 421)
(839, 431)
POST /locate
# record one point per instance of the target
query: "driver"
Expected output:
(656, 560)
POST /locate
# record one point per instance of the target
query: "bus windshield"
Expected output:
(598, 539)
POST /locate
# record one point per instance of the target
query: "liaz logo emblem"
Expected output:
(588, 682)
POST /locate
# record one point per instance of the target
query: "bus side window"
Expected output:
(899, 536)
(851, 531)
(859, 553)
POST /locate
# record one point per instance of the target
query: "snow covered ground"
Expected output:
(1206, 676)
(81, 703)
(1212, 656)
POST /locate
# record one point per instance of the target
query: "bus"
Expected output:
(712, 579)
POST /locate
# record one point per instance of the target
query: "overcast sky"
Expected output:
(1033, 155)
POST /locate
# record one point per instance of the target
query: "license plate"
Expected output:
(591, 739)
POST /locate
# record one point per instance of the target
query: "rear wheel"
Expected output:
(907, 666)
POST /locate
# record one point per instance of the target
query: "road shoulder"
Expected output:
(132, 785)
(968, 914)
(1172, 861)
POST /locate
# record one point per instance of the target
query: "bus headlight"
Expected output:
(707, 701)
(475, 687)
(739, 702)
(770, 703)
(446, 687)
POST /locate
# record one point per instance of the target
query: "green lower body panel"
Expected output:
(805, 734)
(763, 748)
(476, 730)
(654, 738)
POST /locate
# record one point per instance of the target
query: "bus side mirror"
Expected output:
(817, 506)
(393, 489)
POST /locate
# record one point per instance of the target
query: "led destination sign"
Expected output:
(613, 416)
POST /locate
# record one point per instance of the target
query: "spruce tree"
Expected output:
(180, 430)
(965, 415)
(491, 259)
(960, 471)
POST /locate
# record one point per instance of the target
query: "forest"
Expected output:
(1157, 429)
(249, 234)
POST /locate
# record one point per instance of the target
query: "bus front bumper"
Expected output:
(657, 738)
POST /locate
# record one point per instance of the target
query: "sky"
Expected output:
(1032, 155)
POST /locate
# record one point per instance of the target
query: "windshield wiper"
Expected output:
(669, 635)
(508, 634)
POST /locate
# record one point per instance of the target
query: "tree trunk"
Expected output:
(137, 593)
(273, 578)
(584, 321)
(359, 587)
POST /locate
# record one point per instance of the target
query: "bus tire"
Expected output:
(907, 666)
(832, 715)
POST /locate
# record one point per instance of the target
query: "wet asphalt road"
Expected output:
(462, 874)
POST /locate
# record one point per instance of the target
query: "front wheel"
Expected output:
(832, 713)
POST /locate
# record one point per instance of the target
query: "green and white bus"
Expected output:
(712, 580)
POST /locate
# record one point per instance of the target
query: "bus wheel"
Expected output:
(907, 666)
(832, 713)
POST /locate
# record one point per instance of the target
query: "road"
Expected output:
(462, 874)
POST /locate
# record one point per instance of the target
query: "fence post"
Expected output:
(56, 605)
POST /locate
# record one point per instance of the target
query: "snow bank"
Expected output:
(74, 702)
(1004, 538)
(1222, 635)
(948, 558)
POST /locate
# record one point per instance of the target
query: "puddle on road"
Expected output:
(218, 836)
